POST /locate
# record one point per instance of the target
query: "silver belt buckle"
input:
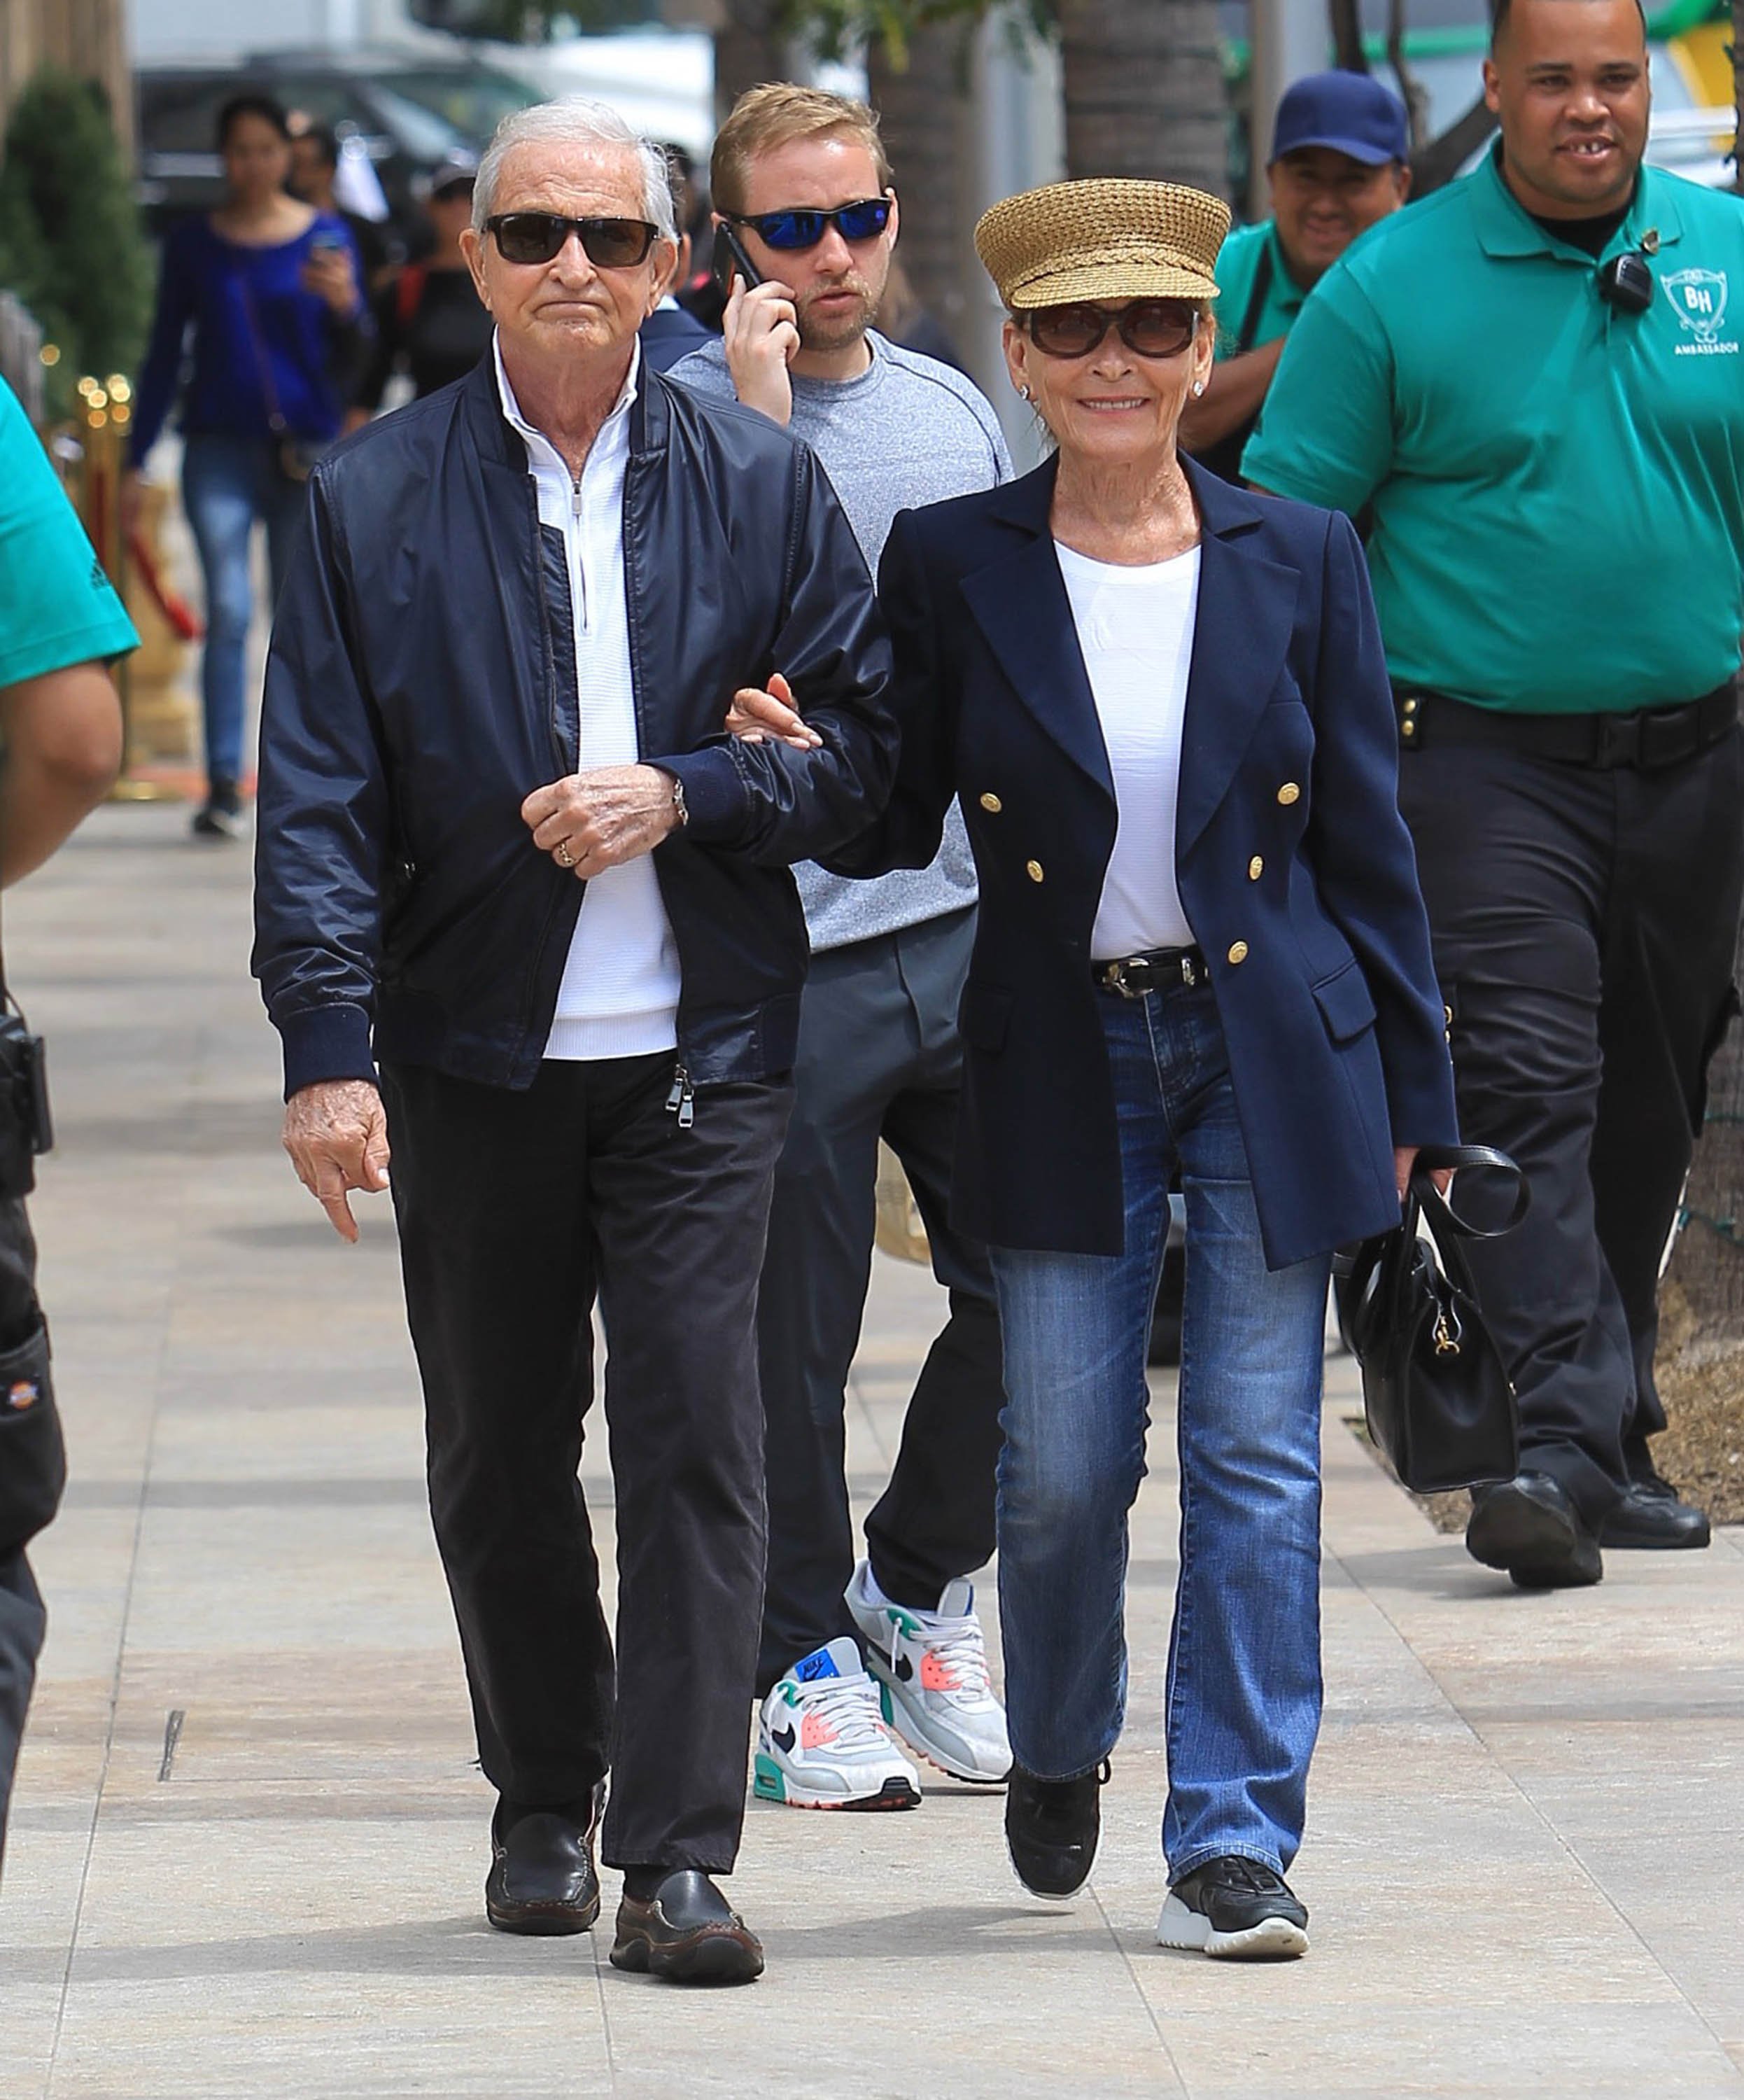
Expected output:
(1189, 975)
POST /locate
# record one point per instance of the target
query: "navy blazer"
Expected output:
(1294, 865)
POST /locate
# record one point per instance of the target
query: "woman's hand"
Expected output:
(1404, 1158)
(755, 715)
(328, 274)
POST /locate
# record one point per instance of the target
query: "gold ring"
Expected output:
(562, 855)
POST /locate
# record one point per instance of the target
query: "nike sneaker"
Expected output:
(821, 1742)
(932, 1677)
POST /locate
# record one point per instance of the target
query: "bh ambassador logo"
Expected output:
(1699, 299)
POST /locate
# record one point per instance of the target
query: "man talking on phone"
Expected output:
(803, 191)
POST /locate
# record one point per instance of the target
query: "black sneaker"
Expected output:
(1051, 1826)
(222, 816)
(1652, 1517)
(1235, 1910)
(1529, 1526)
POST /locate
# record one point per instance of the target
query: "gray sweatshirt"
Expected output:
(908, 432)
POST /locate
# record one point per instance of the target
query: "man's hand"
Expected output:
(588, 822)
(336, 1134)
(755, 715)
(760, 332)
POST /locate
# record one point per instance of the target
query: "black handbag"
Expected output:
(1438, 1400)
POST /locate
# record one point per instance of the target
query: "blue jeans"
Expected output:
(228, 484)
(1242, 1706)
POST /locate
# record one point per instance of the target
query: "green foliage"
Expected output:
(71, 242)
(532, 21)
(836, 28)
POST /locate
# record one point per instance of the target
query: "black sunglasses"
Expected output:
(1149, 327)
(794, 230)
(538, 236)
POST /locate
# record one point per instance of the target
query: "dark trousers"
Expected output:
(32, 1469)
(1583, 923)
(514, 1210)
(878, 1057)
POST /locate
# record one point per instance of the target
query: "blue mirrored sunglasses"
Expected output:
(794, 230)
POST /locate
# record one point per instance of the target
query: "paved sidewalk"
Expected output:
(249, 1844)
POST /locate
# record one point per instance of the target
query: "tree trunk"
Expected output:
(923, 111)
(1347, 36)
(751, 46)
(1144, 90)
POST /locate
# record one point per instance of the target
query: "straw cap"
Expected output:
(1103, 239)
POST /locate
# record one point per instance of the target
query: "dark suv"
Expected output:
(408, 108)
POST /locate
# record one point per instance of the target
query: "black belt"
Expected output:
(1647, 739)
(1133, 976)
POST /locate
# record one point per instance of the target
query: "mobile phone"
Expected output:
(327, 243)
(731, 260)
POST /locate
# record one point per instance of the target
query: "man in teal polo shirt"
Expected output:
(60, 742)
(1533, 380)
(1337, 166)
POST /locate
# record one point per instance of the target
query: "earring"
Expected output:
(1198, 388)
(1026, 394)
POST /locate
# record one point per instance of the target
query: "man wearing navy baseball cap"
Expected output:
(1339, 153)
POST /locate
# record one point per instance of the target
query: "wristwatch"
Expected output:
(680, 808)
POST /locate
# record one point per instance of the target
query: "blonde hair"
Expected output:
(776, 114)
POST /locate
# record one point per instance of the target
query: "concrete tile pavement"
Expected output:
(1524, 1860)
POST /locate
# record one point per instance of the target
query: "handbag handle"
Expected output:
(1441, 1214)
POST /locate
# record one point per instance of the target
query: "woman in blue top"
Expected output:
(268, 288)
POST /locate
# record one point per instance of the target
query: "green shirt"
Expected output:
(57, 607)
(1237, 271)
(1557, 488)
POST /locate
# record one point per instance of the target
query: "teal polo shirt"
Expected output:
(1238, 268)
(57, 607)
(1556, 488)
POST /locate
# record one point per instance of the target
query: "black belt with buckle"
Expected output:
(1646, 739)
(1155, 970)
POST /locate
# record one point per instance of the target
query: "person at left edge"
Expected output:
(266, 293)
(61, 624)
(505, 850)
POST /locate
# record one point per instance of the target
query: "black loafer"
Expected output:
(1529, 1526)
(542, 1879)
(686, 1932)
(1652, 1516)
(1051, 1826)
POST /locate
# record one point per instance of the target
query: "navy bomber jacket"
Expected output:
(421, 684)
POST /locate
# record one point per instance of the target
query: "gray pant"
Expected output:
(878, 1057)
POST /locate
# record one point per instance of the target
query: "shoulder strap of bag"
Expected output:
(1443, 1217)
(263, 363)
(1256, 306)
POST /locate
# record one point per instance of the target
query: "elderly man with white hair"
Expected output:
(524, 914)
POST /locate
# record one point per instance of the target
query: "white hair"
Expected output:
(576, 121)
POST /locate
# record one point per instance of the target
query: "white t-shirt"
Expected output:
(1135, 628)
(619, 994)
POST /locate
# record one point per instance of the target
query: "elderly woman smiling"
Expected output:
(1201, 949)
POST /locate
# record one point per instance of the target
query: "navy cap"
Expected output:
(1350, 113)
